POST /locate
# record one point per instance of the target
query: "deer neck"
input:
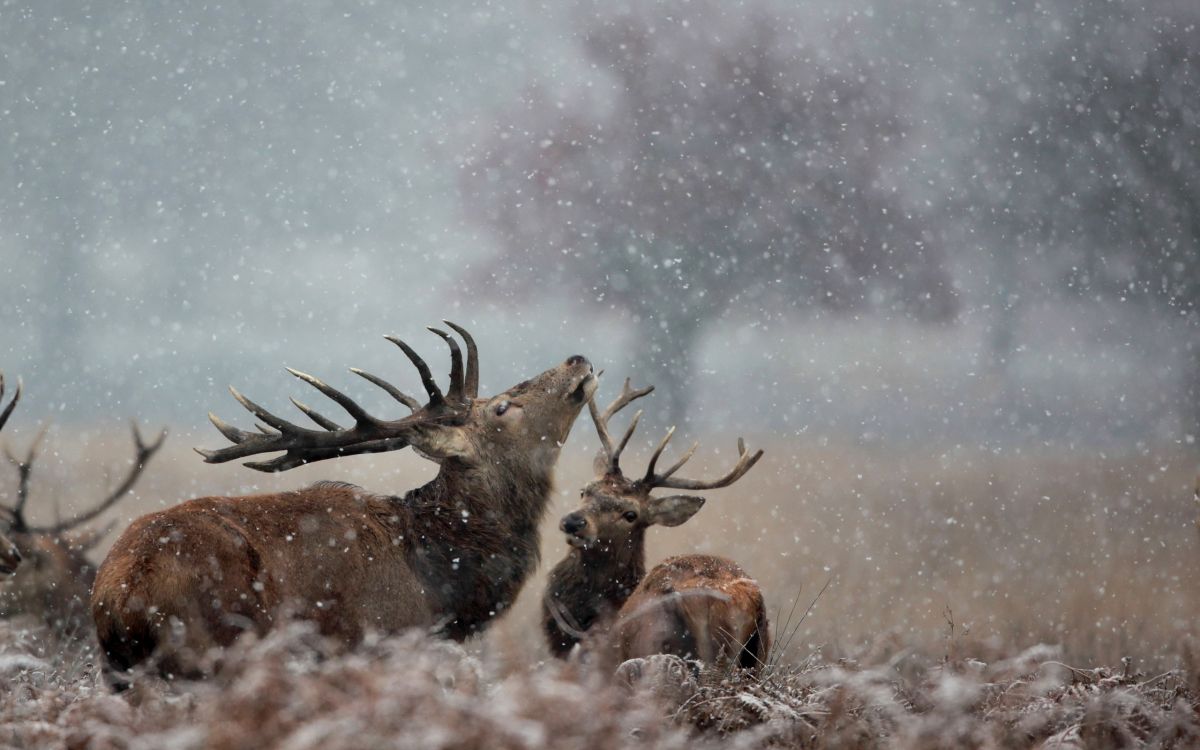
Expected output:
(616, 570)
(600, 578)
(473, 539)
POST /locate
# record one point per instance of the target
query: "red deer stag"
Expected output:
(10, 556)
(693, 605)
(448, 556)
(55, 577)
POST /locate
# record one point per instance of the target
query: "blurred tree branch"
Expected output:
(723, 161)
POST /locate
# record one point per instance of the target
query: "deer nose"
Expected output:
(577, 359)
(15, 555)
(573, 523)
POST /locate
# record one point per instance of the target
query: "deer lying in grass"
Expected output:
(55, 577)
(448, 556)
(693, 605)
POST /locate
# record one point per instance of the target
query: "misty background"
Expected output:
(883, 222)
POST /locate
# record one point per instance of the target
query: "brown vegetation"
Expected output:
(1091, 553)
(294, 689)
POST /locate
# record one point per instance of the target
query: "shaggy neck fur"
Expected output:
(474, 539)
(590, 585)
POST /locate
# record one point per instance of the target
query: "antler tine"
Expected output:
(662, 446)
(614, 461)
(601, 428)
(391, 390)
(231, 433)
(145, 450)
(627, 395)
(8, 410)
(143, 453)
(24, 471)
(278, 423)
(744, 463)
(431, 388)
(361, 417)
(456, 365)
(315, 416)
(682, 460)
(471, 382)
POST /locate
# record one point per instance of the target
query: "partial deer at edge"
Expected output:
(448, 556)
(697, 606)
(10, 556)
(55, 576)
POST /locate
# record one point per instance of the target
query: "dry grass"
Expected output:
(943, 567)
(295, 690)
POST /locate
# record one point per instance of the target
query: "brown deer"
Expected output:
(55, 578)
(10, 556)
(693, 605)
(448, 556)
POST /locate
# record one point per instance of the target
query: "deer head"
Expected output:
(454, 427)
(55, 576)
(616, 510)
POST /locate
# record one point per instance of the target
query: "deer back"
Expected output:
(695, 606)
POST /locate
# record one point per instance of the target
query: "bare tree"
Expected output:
(1096, 154)
(728, 163)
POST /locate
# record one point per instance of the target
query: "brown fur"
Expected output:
(696, 605)
(448, 556)
(54, 579)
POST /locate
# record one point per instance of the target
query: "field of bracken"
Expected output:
(958, 597)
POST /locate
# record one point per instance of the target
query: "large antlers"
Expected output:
(25, 469)
(8, 410)
(608, 461)
(744, 463)
(143, 453)
(369, 434)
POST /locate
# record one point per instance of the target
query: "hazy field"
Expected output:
(1089, 553)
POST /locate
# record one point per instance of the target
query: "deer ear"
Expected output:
(439, 443)
(674, 509)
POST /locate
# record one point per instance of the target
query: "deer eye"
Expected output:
(501, 408)
(630, 516)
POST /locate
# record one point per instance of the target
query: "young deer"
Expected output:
(448, 556)
(692, 605)
(55, 578)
